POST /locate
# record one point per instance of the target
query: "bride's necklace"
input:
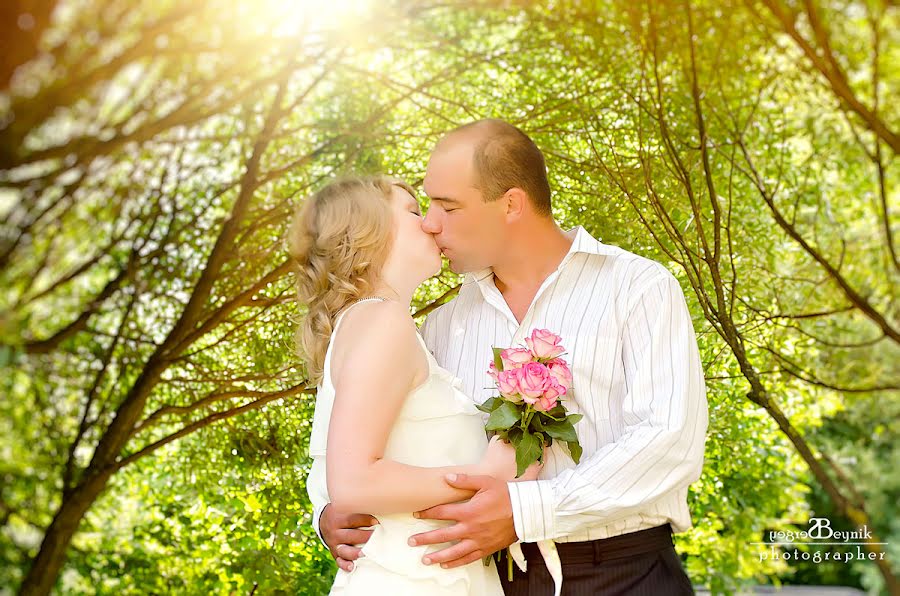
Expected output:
(383, 299)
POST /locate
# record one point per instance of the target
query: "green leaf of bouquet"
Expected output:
(563, 431)
(488, 406)
(575, 450)
(528, 451)
(573, 418)
(503, 417)
(557, 413)
(498, 361)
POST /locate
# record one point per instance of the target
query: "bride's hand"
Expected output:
(499, 461)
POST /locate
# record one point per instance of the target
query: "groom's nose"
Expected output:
(430, 223)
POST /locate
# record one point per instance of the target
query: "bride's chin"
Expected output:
(426, 273)
(432, 272)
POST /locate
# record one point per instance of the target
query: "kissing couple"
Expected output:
(409, 494)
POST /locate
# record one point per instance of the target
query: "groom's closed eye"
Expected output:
(447, 205)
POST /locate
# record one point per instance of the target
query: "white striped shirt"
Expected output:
(638, 381)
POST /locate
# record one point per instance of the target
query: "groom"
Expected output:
(638, 380)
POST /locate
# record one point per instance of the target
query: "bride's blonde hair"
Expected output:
(339, 240)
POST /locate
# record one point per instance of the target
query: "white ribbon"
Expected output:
(551, 559)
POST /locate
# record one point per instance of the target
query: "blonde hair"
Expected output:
(339, 240)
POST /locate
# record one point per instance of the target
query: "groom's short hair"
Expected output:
(505, 158)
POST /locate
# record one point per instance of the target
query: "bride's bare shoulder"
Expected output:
(375, 330)
(375, 315)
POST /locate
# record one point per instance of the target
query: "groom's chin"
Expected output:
(456, 266)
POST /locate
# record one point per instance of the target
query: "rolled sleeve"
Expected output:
(533, 509)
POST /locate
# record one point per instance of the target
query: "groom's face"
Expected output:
(469, 231)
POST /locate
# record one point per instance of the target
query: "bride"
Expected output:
(389, 423)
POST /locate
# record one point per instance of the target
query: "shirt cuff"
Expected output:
(532, 509)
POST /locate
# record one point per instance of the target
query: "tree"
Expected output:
(151, 156)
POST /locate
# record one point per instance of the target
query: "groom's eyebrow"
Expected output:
(445, 200)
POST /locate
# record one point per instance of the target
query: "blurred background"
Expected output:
(154, 415)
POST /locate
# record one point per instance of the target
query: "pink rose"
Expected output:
(492, 371)
(544, 344)
(533, 379)
(551, 395)
(560, 371)
(508, 383)
(515, 358)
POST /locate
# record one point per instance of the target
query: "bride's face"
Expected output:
(413, 248)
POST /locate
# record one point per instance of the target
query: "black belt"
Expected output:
(605, 549)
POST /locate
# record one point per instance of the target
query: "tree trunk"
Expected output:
(48, 563)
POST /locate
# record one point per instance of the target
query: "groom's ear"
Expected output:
(516, 203)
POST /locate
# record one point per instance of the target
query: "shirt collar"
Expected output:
(582, 243)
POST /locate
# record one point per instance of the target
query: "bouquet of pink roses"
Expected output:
(528, 413)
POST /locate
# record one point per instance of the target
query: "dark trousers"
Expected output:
(640, 563)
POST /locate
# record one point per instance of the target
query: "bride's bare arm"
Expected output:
(380, 362)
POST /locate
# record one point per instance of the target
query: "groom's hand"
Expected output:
(483, 525)
(341, 533)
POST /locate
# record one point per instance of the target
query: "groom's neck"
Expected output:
(532, 255)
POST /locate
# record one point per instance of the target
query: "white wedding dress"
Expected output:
(438, 425)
